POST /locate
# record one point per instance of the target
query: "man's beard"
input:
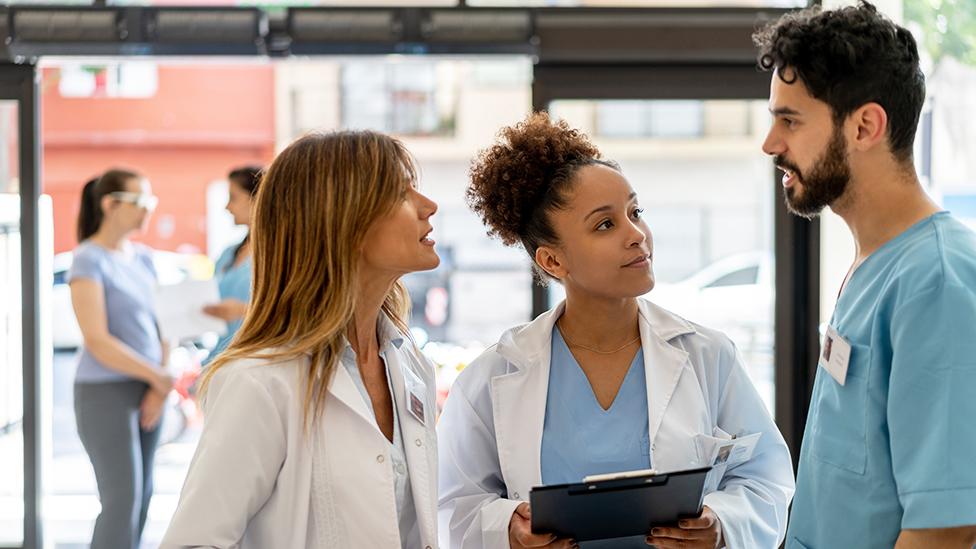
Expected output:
(826, 182)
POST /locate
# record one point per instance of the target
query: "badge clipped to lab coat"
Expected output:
(415, 394)
(835, 355)
(722, 453)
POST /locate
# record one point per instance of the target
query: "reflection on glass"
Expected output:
(406, 98)
(646, 3)
(11, 364)
(946, 136)
(706, 188)
(272, 4)
(444, 110)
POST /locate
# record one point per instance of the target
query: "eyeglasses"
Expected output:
(140, 200)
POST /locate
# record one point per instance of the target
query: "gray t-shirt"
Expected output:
(128, 280)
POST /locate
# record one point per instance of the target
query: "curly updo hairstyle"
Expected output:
(847, 58)
(526, 175)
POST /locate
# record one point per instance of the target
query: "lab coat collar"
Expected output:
(522, 393)
(342, 386)
(416, 436)
(525, 345)
(663, 363)
(415, 441)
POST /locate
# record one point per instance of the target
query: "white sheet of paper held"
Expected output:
(179, 308)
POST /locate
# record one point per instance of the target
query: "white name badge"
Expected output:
(835, 355)
(723, 453)
(415, 394)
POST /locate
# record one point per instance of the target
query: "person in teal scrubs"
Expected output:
(887, 456)
(233, 267)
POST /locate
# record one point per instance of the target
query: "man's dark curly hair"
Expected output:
(847, 58)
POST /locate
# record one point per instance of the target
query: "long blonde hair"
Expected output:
(313, 208)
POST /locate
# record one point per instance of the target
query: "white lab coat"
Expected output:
(250, 484)
(491, 430)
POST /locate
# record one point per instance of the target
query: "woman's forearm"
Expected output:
(117, 356)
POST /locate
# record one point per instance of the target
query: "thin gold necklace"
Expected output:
(598, 351)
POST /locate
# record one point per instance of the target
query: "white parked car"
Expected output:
(65, 333)
(735, 294)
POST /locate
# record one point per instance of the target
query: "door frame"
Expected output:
(796, 241)
(18, 82)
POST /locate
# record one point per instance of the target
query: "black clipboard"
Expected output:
(619, 507)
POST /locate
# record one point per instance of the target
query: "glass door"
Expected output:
(20, 341)
(727, 255)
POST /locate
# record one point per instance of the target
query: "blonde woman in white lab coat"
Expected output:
(604, 382)
(319, 417)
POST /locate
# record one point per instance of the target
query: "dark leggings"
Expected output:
(107, 415)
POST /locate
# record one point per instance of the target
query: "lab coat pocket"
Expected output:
(723, 452)
(708, 446)
(839, 418)
(708, 449)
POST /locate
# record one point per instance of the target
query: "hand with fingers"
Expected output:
(151, 409)
(520, 533)
(704, 532)
(227, 310)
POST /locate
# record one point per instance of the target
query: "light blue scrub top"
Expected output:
(895, 446)
(128, 280)
(580, 438)
(233, 282)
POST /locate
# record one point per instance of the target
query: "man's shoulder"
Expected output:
(942, 254)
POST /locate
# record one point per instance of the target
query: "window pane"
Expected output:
(741, 277)
(405, 98)
(707, 191)
(445, 111)
(11, 343)
(271, 4)
(647, 3)
(185, 136)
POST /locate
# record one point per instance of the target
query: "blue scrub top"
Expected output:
(580, 438)
(128, 280)
(233, 282)
(893, 448)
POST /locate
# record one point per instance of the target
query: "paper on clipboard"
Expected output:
(179, 309)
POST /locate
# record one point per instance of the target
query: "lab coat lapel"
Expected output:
(415, 440)
(343, 388)
(663, 362)
(519, 401)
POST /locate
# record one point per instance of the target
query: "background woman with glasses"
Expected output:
(120, 385)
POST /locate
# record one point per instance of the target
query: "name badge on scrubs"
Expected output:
(416, 391)
(835, 355)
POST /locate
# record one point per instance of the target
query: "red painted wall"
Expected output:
(203, 120)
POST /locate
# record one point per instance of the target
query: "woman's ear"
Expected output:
(107, 204)
(549, 260)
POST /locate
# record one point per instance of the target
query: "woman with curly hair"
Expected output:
(605, 381)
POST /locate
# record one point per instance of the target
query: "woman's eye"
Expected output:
(604, 225)
(638, 213)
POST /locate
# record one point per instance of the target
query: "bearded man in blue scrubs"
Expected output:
(889, 453)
